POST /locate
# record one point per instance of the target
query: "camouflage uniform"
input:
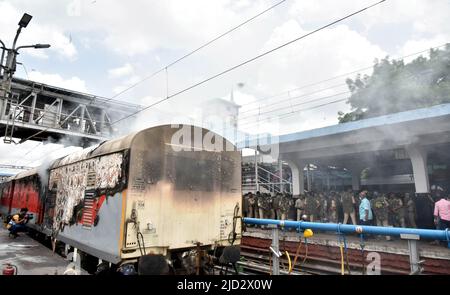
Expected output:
(332, 212)
(276, 205)
(348, 205)
(245, 205)
(312, 206)
(285, 204)
(381, 208)
(397, 211)
(323, 208)
(300, 206)
(410, 211)
(272, 212)
(252, 206)
(264, 206)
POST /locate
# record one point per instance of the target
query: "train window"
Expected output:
(199, 171)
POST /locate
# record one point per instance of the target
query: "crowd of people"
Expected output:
(364, 207)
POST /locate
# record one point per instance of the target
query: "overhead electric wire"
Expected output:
(295, 105)
(290, 106)
(338, 76)
(291, 98)
(176, 61)
(291, 113)
(197, 49)
(247, 61)
(288, 114)
(32, 149)
(51, 152)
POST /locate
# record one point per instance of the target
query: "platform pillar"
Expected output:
(275, 249)
(414, 256)
(418, 157)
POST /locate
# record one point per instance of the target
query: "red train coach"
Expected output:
(163, 190)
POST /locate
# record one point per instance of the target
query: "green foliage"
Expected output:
(395, 86)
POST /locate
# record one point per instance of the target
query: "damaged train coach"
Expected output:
(169, 191)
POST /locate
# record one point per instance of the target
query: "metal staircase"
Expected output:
(263, 180)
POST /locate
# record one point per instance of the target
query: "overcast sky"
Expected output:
(104, 46)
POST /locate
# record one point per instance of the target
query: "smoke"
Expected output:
(64, 146)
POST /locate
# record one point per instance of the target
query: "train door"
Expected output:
(49, 208)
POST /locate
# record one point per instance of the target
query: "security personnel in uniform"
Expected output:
(381, 208)
(396, 208)
(251, 205)
(276, 205)
(323, 207)
(348, 205)
(245, 205)
(300, 206)
(333, 207)
(410, 210)
(263, 205)
(285, 205)
(272, 212)
(312, 206)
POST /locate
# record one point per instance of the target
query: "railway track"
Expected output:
(257, 260)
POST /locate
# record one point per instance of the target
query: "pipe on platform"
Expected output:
(442, 235)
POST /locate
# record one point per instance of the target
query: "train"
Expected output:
(170, 190)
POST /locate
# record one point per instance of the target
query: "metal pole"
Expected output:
(33, 107)
(2, 56)
(275, 251)
(256, 171)
(308, 178)
(413, 256)
(280, 167)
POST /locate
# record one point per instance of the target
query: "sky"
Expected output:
(104, 46)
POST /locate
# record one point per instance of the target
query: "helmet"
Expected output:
(308, 233)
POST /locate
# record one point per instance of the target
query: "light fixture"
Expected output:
(25, 20)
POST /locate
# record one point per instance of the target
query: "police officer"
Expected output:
(272, 212)
(323, 207)
(258, 196)
(348, 205)
(285, 205)
(300, 206)
(251, 205)
(332, 212)
(410, 210)
(263, 205)
(396, 209)
(245, 205)
(312, 206)
(381, 208)
(276, 205)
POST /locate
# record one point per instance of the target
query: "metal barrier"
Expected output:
(412, 235)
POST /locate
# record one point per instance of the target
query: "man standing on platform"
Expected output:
(365, 211)
(442, 213)
(348, 203)
(411, 210)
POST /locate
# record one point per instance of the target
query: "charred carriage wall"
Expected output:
(103, 176)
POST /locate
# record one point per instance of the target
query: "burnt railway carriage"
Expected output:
(149, 192)
(22, 190)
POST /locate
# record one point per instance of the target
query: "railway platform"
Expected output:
(323, 250)
(29, 256)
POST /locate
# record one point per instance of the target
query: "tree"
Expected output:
(395, 86)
